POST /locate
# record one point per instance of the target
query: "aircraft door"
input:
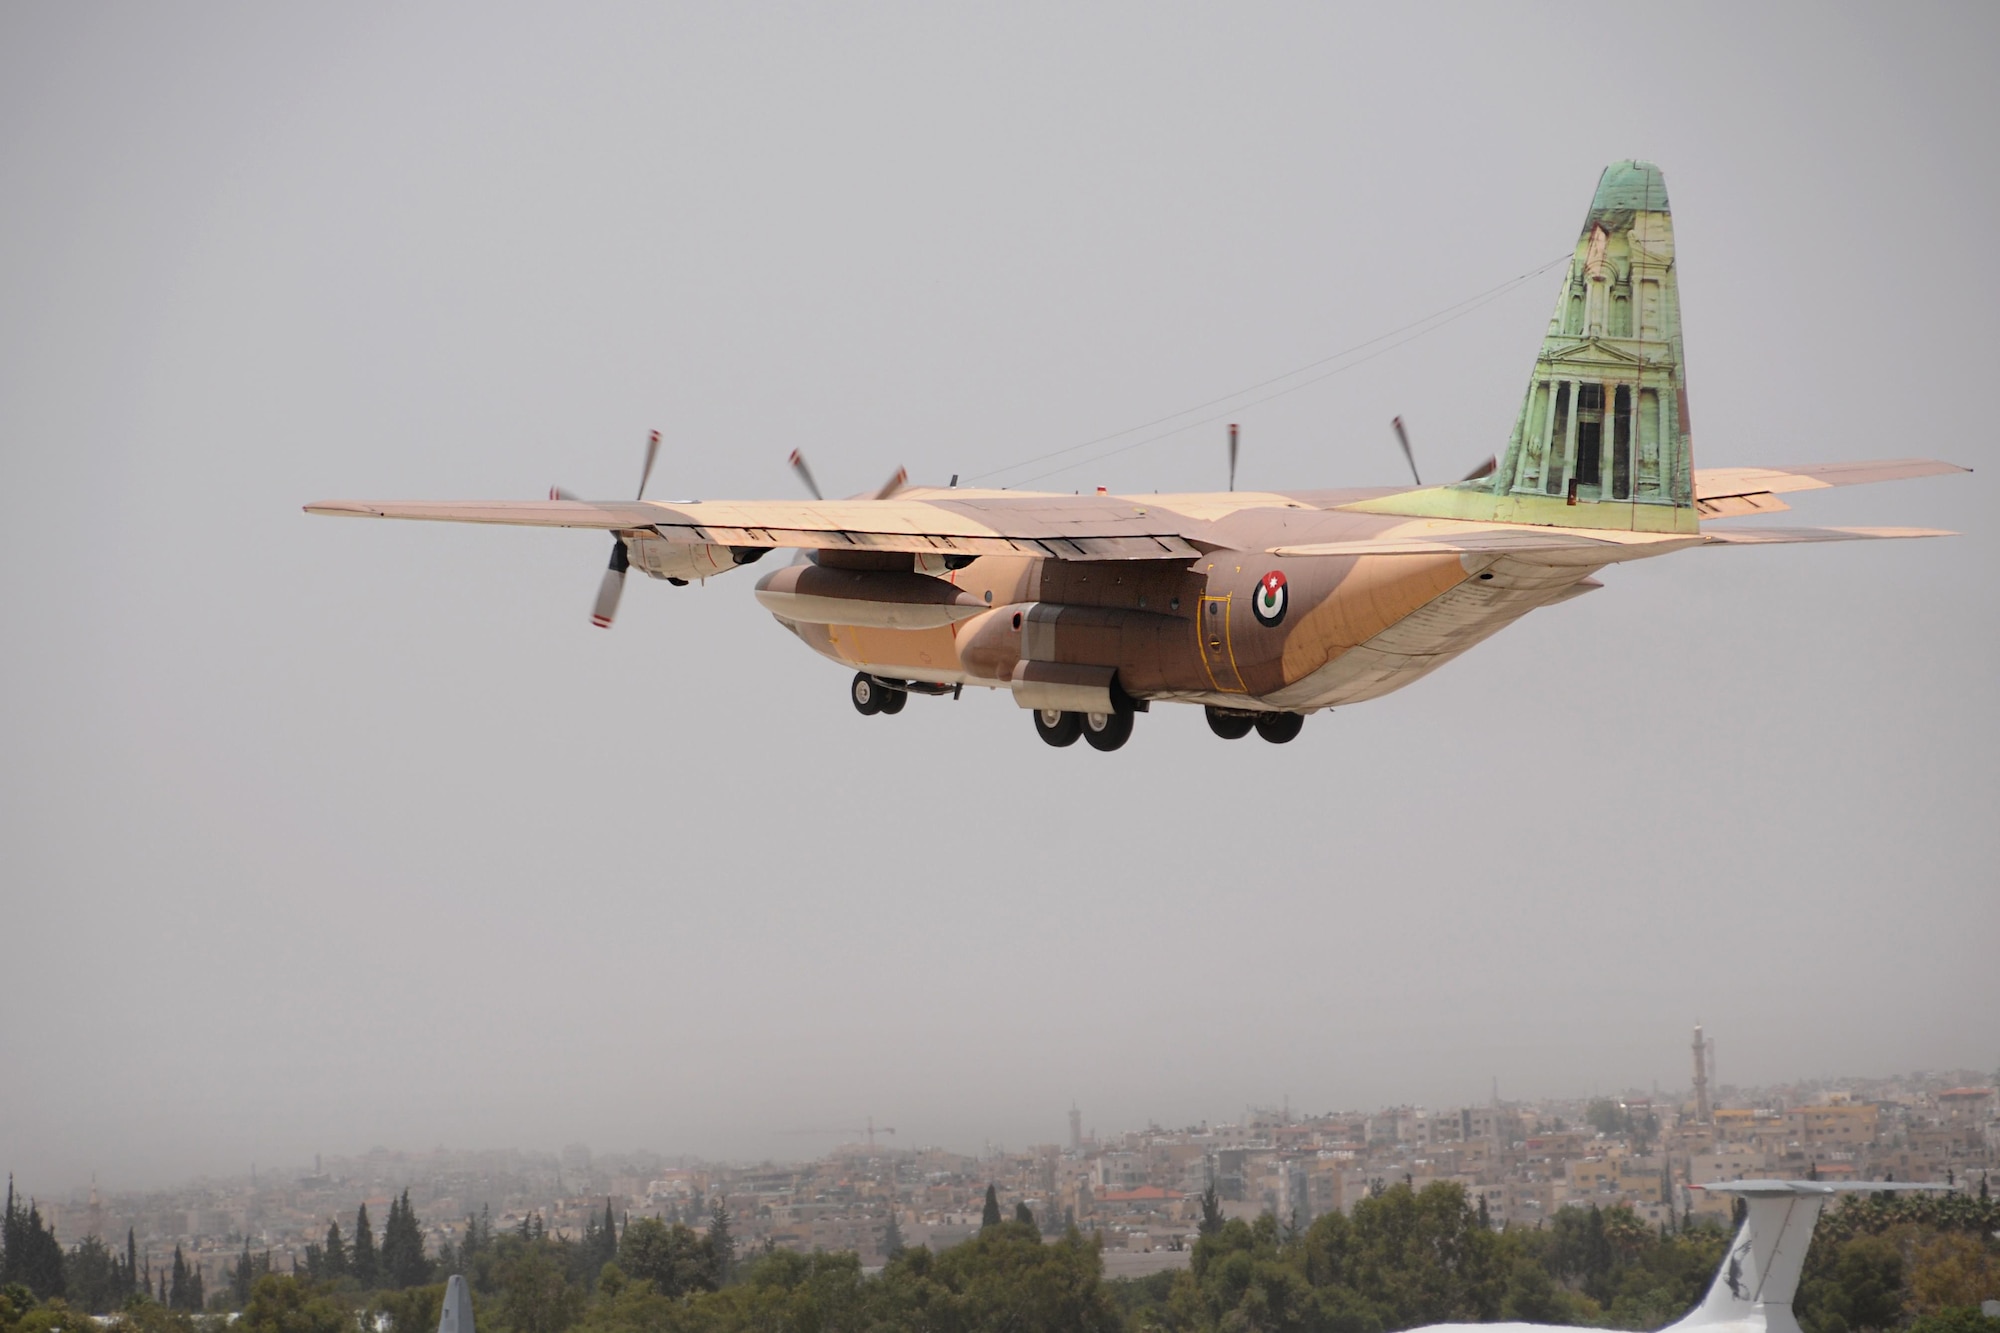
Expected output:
(1217, 653)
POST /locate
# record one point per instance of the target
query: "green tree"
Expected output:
(93, 1278)
(335, 1261)
(411, 1309)
(672, 1258)
(283, 1304)
(402, 1261)
(535, 1292)
(892, 1236)
(29, 1252)
(1024, 1214)
(362, 1261)
(990, 1215)
(1211, 1210)
(721, 1244)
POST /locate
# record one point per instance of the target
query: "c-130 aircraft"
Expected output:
(1261, 607)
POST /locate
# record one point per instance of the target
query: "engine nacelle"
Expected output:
(682, 562)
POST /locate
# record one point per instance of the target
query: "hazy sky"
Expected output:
(320, 834)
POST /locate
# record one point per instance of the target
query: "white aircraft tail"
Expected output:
(1753, 1289)
(456, 1316)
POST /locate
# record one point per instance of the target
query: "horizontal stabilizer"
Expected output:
(1775, 1188)
(1723, 492)
(1779, 536)
(1555, 546)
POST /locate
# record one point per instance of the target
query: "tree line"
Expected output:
(1403, 1257)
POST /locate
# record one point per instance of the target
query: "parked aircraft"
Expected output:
(1260, 606)
(1752, 1290)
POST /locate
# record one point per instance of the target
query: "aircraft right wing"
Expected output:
(929, 522)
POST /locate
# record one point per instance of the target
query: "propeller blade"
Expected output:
(1403, 437)
(614, 583)
(1232, 455)
(558, 493)
(805, 474)
(646, 473)
(894, 484)
(1485, 469)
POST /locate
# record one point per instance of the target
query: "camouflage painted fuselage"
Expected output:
(1350, 627)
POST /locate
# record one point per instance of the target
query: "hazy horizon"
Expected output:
(321, 832)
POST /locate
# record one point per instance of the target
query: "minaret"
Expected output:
(1075, 1128)
(1701, 1109)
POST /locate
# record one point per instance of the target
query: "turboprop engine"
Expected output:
(683, 562)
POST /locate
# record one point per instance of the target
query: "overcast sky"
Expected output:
(319, 834)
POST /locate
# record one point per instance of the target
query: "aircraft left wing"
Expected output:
(930, 522)
(1720, 492)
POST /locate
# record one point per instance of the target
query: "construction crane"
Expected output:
(870, 1130)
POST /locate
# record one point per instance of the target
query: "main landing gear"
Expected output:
(1104, 731)
(1232, 725)
(871, 696)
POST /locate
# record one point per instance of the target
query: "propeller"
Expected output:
(806, 474)
(1485, 469)
(1232, 455)
(888, 488)
(614, 577)
(1403, 437)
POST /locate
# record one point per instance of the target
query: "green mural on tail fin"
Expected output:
(1602, 438)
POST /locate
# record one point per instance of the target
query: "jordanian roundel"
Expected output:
(1089, 608)
(1269, 603)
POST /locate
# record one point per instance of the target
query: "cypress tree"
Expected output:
(239, 1281)
(721, 1244)
(1023, 1213)
(362, 1262)
(990, 1216)
(180, 1289)
(1211, 1210)
(131, 1282)
(335, 1259)
(892, 1236)
(402, 1260)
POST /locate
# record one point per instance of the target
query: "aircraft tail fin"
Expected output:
(1760, 1272)
(1602, 439)
(456, 1316)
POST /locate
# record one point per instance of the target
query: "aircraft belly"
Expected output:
(924, 654)
(1432, 634)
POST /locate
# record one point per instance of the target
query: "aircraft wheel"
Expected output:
(1057, 727)
(866, 694)
(1278, 728)
(893, 700)
(1107, 731)
(1229, 726)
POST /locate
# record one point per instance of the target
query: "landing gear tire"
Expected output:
(866, 694)
(1278, 728)
(1058, 728)
(892, 700)
(1107, 731)
(1229, 726)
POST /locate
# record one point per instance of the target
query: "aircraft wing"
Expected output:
(1722, 491)
(1064, 527)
